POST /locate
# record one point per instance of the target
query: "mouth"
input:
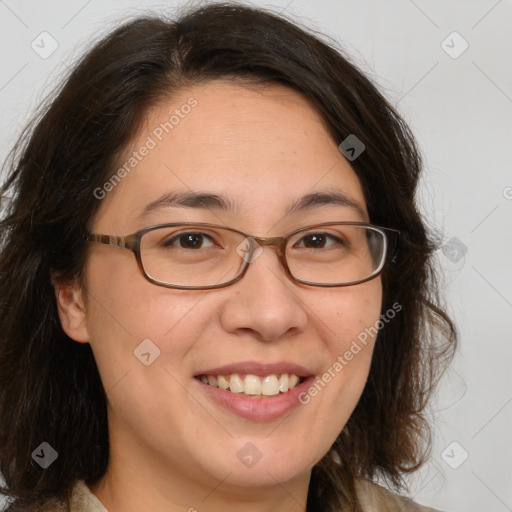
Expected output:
(255, 391)
(253, 386)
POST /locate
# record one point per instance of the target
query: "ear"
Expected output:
(71, 308)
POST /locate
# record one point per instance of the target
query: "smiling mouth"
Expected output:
(253, 385)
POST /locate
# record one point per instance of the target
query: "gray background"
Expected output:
(459, 104)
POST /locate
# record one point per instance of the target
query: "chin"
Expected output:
(257, 462)
(264, 475)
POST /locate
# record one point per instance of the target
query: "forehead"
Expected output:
(261, 148)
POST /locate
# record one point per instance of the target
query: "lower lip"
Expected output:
(258, 409)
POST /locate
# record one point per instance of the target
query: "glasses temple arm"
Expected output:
(127, 242)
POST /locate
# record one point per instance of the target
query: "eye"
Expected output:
(189, 240)
(318, 240)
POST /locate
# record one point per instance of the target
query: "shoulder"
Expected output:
(375, 498)
(82, 500)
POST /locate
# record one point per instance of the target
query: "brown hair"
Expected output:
(50, 388)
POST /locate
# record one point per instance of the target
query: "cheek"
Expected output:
(345, 320)
(128, 316)
(349, 322)
(351, 314)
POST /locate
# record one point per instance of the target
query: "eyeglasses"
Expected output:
(199, 256)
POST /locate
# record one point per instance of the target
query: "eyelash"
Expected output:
(169, 242)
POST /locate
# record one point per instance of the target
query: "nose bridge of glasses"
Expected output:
(276, 241)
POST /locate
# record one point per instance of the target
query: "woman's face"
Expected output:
(261, 151)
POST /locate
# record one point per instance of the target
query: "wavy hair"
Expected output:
(50, 388)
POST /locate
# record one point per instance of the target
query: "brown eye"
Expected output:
(318, 240)
(314, 240)
(188, 241)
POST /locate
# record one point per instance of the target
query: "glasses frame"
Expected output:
(132, 243)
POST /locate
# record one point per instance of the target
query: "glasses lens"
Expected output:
(336, 254)
(191, 255)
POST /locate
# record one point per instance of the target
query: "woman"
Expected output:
(273, 340)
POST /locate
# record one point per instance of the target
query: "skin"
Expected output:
(172, 448)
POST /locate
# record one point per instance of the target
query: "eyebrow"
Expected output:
(212, 201)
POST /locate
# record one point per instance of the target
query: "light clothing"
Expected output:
(373, 498)
(83, 500)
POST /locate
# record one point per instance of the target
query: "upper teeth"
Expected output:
(268, 385)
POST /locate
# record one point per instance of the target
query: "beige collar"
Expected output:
(83, 500)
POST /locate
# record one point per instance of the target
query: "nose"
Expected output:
(265, 301)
